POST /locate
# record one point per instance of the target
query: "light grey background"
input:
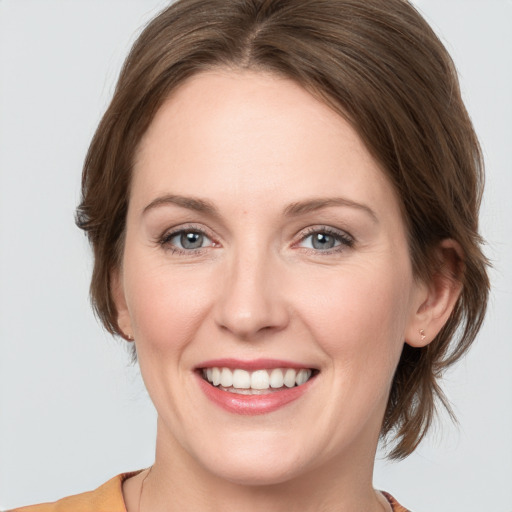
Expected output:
(72, 412)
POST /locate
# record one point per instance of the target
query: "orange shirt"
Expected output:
(109, 498)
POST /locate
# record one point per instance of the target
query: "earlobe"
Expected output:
(437, 298)
(123, 316)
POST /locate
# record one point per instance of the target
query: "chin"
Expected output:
(260, 473)
(260, 463)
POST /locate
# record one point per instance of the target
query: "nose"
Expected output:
(251, 299)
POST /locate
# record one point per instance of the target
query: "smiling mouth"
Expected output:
(258, 382)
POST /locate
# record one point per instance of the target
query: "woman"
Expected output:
(282, 199)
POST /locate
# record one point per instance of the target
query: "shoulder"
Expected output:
(106, 498)
(394, 504)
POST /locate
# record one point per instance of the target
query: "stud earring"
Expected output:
(422, 334)
(129, 337)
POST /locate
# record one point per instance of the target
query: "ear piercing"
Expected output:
(129, 337)
(422, 334)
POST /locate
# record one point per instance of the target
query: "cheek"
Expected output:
(359, 318)
(165, 305)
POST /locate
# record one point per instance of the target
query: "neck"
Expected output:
(179, 482)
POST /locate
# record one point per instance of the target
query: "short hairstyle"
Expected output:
(380, 66)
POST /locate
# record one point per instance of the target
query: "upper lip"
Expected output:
(253, 364)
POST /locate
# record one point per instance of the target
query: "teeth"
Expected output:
(241, 379)
(226, 378)
(215, 376)
(258, 380)
(276, 378)
(289, 378)
(302, 377)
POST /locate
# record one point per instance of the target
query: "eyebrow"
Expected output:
(292, 210)
(312, 205)
(190, 203)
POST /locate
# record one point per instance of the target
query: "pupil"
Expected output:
(191, 240)
(323, 241)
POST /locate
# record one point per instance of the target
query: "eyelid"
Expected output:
(170, 233)
(345, 238)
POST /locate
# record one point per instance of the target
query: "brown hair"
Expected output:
(379, 65)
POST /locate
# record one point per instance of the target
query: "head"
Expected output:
(376, 67)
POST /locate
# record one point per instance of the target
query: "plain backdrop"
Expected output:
(73, 413)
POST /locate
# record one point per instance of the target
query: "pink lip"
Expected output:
(250, 405)
(254, 364)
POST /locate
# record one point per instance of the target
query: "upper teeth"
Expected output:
(259, 379)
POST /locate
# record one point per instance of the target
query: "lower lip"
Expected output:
(251, 405)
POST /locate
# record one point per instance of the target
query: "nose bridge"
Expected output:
(251, 299)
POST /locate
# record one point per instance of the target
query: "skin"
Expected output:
(252, 144)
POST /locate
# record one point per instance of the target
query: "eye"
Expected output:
(325, 239)
(186, 240)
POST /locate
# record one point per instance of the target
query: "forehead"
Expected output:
(255, 134)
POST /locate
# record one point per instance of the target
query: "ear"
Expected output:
(123, 315)
(436, 299)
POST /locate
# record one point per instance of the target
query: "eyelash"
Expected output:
(345, 240)
(165, 240)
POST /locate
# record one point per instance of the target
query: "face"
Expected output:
(266, 280)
